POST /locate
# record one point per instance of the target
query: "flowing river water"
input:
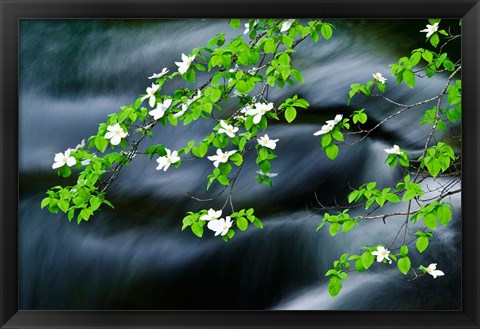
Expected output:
(74, 73)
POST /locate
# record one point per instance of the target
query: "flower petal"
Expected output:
(71, 161)
(115, 140)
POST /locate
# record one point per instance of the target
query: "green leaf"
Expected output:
(234, 23)
(197, 229)
(404, 265)
(241, 86)
(334, 227)
(352, 196)
(236, 158)
(64, 205)
(287, 41)
(362, 117)
(409, 78)
(337, 135)
(367, 259)
(269, 46)
(257, 223)
(223, 180)
(189, 76)
(444, 215)
(380, 200)
(428, 56)
(85, 213)
(70, 214)
(392, 197)
(334, 286)
(422, 243)
(263, 153)
(297, 75)
(409, 195)
(331, 151)
(326, 139)
(434, 167)
(290, 114)
(95, 202)
(331, 272)
(322, 223)
(348, 225)
(404, 250)
(202, 149)
(448, 65)
(101, 143)
(359, 266)
(430, 221)
(326, 31)
(434, 40)
(45, 202)
(242, 223)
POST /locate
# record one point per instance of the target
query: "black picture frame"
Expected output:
(13, 10)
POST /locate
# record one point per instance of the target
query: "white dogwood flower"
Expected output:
(220, 226)
(159, 75)
(329, 125)
(115, 134)
(212, 215)
(62, 159)
(165, 161)
(245, 109)
(80, 146)
(182, 112)
(160, 110)
(378, 76)
(432, 270)
(184, 65)
(227, 129)
(325, 129)
(247, 28)
(269, 174)
(430, 30)
(267, 142)
(382, 253)
(394, 150)
(336, 120)
(220, 157)
(151, 94)
(286, 25)
(259, 110)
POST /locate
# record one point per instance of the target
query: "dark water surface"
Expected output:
(73, 73)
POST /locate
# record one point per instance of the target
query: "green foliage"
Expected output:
(340, 220)
(404, 265)
(290, 105)
(434, 212)
(422, 240)
(241, 218)
(249, 66)
(359, 116)
(412, 189)
(437, 158)
(370, 194)
(403, 158)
